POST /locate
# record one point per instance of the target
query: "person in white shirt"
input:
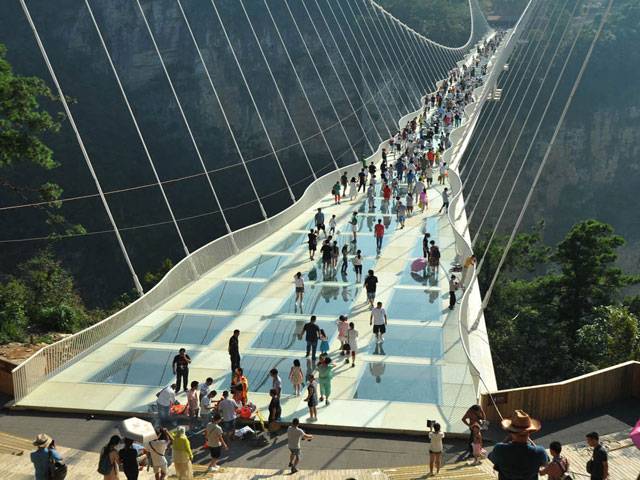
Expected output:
(206, 406)
(158, 449)
(227, 409)
(205, 387)
(294, 435)
(435, 447)
(165, 398)
(378, 319)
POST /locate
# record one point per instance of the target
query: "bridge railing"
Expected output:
(570, 397)
(53, 358)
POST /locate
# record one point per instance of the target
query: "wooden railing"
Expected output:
(557, 400)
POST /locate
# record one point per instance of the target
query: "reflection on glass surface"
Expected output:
(139, 367)
(290, 244)
(414, 304)
(327, 300)
(286, 334)
(228, 295)
(263, 267)
(256, 368)
(423, 277)
(399, 383)
(190, 329)
(409, 341)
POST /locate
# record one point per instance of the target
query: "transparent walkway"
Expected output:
(419, 372)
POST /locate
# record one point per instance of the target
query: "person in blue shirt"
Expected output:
(520, 458)
(40, 458)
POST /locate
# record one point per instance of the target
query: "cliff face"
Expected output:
(351, 96)
(592, 171)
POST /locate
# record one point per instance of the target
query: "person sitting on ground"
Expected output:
(519, 458)
(558, 466)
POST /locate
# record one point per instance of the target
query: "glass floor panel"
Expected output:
(409, 341)
(228, 295)
(291, 243)
(414, 304)
(314, 272)
(400, 383)
(264, 267)
(326, 300)
(283, 334)
(139, 367)
(190, 329)
(366, 224)
(257, 367)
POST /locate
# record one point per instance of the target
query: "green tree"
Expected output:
(610, 335)
(13, 315)
(589, 275)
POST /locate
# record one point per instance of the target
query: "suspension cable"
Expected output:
(184, 116)
(511, 103)
(137, 127)
(72, 122)
(559, 124)
(335, 72)
(522, 99)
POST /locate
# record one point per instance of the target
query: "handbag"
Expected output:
(57, 470)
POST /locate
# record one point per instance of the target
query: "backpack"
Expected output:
(566, 475)
(105, 467)
(56, 470)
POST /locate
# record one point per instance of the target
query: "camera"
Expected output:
(430, 423)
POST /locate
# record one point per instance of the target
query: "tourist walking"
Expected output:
(357, 265)
(519, 458)
(435, 447)
(294, 436)
(453, 286)
(598, 466)
(378, 232)
(345, 259)
(318, 218)
(344, 181)
(434, 259)
(312, 397)
(275, 409)
(215, 441)
(313, 243)
(335, 191)
(401, 213)
(378, 319)
(296, 376)
(370, 285)
(158, 449)
(182, 455)
(335, 255)
(325, 374)
(109, 461)
(353, 189)
(299, 291)
(129, 460)
(352, 342)
(354, 226)
(234, 350)
(326, 252)
(311, 331)
(445, 201)
(41, 458)
(180, 366)
(558, 467)
(276, 381)
(333, 222)
(362, 180)
(424, 200)
(425, 245)
(324, 342)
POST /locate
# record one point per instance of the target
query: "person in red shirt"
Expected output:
(431, 157)
(386, 193)
(378, 231)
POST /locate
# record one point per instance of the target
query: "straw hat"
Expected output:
(42, 440)
(520, 422)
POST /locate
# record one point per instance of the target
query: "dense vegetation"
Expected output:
(560, 311)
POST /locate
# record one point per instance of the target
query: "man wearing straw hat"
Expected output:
(40, 458)
(520, 458)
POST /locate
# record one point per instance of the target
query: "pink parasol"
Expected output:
(418, 264)
(635, 434)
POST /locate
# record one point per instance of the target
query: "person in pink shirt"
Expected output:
(378, 231)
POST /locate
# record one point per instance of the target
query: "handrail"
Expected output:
(52, 358)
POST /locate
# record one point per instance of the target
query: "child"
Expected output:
(435, 448)
(312, 398)
(332, 225)
(352, 341)
(324, 342)
(296, 376)
(275, 410)
(343, 327)
(476, 444)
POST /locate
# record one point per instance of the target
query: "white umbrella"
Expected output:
(137, 430)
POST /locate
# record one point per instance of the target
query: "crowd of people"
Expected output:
(413, 159)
